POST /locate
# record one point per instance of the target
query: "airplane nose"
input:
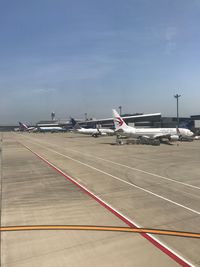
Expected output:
(190, 133)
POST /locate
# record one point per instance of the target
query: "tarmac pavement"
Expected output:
(154, 187)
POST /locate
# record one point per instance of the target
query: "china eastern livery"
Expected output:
(149, 133)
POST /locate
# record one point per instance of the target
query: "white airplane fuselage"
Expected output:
(150, 133)
(154, 132)
(95, 132)
(50, 129)
(87, 131)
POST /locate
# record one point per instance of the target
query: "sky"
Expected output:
(74, 57)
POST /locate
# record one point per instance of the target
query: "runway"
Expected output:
(135, 185)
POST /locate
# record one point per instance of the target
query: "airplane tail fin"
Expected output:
(186, 124)
(118, 121)
(75, 124)
(23, 126)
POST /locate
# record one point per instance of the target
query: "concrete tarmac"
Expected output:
(155, 187)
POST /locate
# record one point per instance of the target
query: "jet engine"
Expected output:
(174, 138)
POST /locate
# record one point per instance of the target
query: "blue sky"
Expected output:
(77, 56)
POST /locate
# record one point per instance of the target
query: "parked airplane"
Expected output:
(24, 128)
(171, 134)
(52, 129)
(95, 132)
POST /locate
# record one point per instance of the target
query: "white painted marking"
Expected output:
(115, 210)
(121, 180)
(126, 166)
(135, 169)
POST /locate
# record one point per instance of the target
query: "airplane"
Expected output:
(95, 132)
(52, 129)
(24, 128)
(172, 134)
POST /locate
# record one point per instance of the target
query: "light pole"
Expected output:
(120, 110)
(177, 111)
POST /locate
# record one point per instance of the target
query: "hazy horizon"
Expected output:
(90, 56)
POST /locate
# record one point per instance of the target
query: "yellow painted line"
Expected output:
(100, 228)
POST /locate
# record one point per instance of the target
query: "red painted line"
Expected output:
(156, 243)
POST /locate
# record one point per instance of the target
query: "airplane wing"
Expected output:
(31, 128)
(157, 136)
(145, 136)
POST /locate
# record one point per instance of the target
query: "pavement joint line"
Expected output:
(126, 166)
(123, 181)
(99, 228)
(156, 242)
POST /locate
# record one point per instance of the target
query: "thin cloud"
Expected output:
(170, 33)
(43, 90)
(170, 39)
